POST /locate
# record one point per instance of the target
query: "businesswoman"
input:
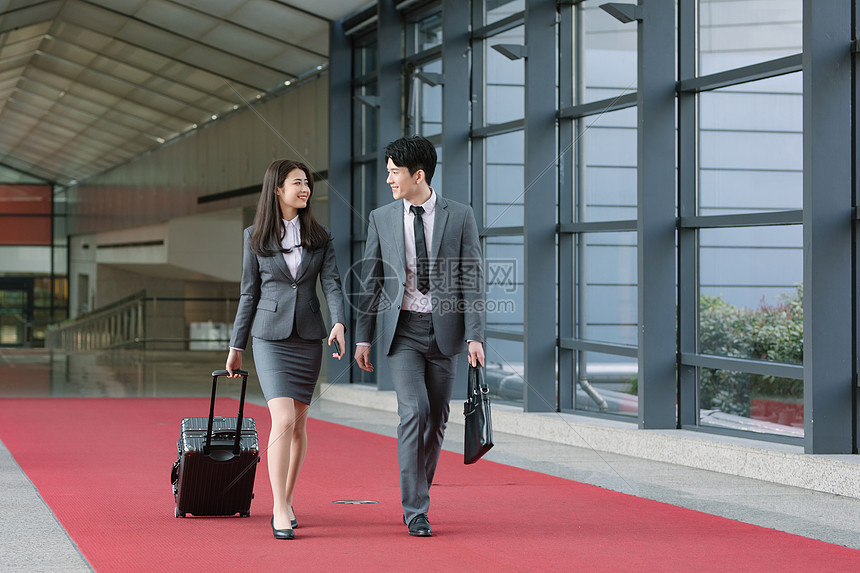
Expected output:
(285, 251)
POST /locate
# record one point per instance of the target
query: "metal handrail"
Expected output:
(119, 325)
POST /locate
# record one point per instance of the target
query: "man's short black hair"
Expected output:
(413, 153)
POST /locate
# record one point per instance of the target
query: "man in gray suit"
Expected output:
(422, 275)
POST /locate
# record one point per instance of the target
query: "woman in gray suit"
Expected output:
(285, 251)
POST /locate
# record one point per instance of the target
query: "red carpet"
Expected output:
(103, 466)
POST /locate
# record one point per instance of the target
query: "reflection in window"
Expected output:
(504, 371)
(751, 147)
(736, 33)
(504, 178)
(608, 384)
(750, 402)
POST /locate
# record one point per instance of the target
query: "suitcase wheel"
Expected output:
(177, 513)
(245, 513)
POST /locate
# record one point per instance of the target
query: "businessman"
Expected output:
(422, 275)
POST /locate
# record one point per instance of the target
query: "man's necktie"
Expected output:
(422, 261)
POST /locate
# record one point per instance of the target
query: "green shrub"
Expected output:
(770, 332)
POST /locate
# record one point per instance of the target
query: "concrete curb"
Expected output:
(775, 463)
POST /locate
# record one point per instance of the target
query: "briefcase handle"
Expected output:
(476, 382)
(236, 449)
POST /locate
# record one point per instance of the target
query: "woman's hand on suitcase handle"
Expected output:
(337, 336)
(234, 362)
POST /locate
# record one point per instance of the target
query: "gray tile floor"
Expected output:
(32, 539)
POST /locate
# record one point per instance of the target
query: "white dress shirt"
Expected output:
(412, 298)
(293, 240)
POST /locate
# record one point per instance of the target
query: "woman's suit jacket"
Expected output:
(273, 300)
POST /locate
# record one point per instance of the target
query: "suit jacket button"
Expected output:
(404, 284)
(294, 285)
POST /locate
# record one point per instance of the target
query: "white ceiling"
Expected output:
(86, 85)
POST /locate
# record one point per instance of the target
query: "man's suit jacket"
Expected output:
(456, 276)
(274, 300)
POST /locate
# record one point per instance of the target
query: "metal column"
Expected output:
(390, 54)
(688, 283)
(340, 172)
(539, 393)
(828, 368)
(656, 213)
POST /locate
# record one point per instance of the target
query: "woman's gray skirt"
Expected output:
(288, 368)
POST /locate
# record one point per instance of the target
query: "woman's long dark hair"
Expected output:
(268, 222)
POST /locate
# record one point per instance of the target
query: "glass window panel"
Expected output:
(42, 292)
(606, 66)
(61, 293)
(504, 369)
(750, 402)
(366, 120)
(751, 147)
(500, 9)
(428, 32)
(364, 58)
(15, 260)
(505, 80)
(605, 152)
(736, 33)
(437, 175)
(610, 384)
(364, 195)
(607, 305)
(750, 294)
(504, 176)
(504, 276)
(427, 102)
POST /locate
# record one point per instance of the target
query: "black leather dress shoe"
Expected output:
(282, 533)
(419, 526)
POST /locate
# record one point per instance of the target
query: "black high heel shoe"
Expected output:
(294, 522)
(282, 533)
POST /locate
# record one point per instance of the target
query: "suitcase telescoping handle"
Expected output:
(236, 449)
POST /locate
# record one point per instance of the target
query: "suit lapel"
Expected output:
(307, 255)
(281, 263)
(439, 221)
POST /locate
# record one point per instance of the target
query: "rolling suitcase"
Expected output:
(216, 461)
